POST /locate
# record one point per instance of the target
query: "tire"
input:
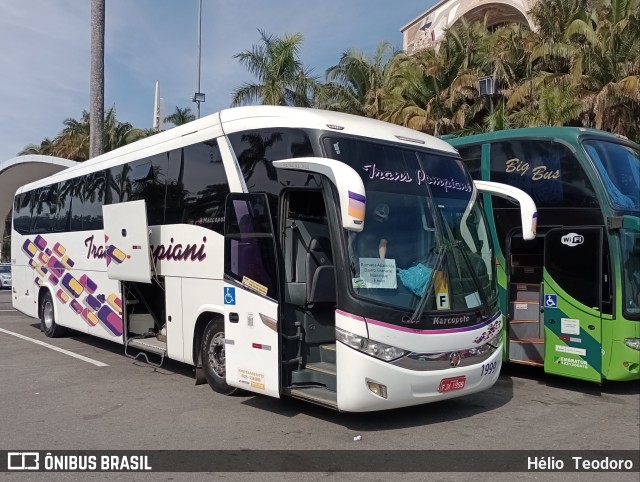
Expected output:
(212, 351)
(47, 318)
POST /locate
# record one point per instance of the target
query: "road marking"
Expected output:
(7, 310)
(55, 348)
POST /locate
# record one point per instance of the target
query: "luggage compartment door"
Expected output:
(126, 246)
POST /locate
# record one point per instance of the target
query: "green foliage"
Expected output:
(580, 67)
(73, 141)
(180, 116)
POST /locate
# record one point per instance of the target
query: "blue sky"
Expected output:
(45, 45)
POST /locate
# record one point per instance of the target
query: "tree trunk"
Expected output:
(96, 87)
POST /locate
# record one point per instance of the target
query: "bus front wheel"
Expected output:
(213, 358)
(48, 319)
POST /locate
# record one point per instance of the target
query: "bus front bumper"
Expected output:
(359, 373)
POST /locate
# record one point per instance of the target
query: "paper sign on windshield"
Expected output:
(378, 273)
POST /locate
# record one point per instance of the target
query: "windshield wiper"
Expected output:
(458, 244)
(474, 275)
(427, 290)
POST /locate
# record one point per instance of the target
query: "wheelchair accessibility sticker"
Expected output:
(550, 301)
(229, 295)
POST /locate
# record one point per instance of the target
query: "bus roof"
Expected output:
(568, 134)
(252, 117)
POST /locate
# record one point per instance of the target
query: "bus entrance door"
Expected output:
(572, 302)
(252, 347)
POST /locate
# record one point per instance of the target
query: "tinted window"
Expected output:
(566, 250)
(120, 182)
(95, 185)
(619, 169)
(197, 186)
(249, 243)
(548, 171)
(70, 201)
(472, 157)
(257, 149)
(148, 181)
(45, 211)
(22, 212)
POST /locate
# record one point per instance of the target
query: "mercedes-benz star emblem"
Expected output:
(454, 359)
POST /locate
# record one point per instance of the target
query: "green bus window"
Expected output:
(548, 171)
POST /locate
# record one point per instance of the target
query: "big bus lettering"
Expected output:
(541, 172)
(515, 165)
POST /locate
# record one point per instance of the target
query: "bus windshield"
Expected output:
(425, 246)
(619, 167)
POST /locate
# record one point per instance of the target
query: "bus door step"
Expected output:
(317, 395)
(147, 345)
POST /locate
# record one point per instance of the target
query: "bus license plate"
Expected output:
(450, 384)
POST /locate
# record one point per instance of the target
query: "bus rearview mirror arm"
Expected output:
(352, 195)
(528, 209)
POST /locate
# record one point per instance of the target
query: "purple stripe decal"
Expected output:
(357, 197)
(418, 332)
(349, 315)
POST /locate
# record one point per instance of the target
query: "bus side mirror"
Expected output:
(528, 209)
(350, 188)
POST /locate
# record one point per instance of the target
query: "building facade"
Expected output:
(428, 29)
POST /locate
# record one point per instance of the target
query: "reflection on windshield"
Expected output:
(5, 268)
(405, 257)
(619, 168)
(631, 271)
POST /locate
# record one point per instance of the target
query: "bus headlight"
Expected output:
(632, 343)
(368, 346)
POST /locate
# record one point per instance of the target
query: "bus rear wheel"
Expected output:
(48, 319)
(213, 358)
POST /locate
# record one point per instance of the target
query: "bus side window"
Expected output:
(148, 178)
(22, 212)
(94, 189)
(197, 186)
(43, 217)
(472, 158)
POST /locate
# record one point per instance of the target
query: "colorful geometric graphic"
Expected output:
(95, 308)
(490, 332)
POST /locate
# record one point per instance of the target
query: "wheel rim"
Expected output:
(47, 314)
(216, 358)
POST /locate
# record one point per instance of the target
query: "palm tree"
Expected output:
(612, 66)
(73, 142)
(45, 148)
(180, 116)
(357, 84)
(555, 106)
(282, 79)
(96, 86)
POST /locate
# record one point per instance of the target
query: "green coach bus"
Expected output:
(571, 297)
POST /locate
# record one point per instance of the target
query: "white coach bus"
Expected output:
(284, 251)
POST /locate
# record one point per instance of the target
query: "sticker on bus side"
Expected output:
(255, 286)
